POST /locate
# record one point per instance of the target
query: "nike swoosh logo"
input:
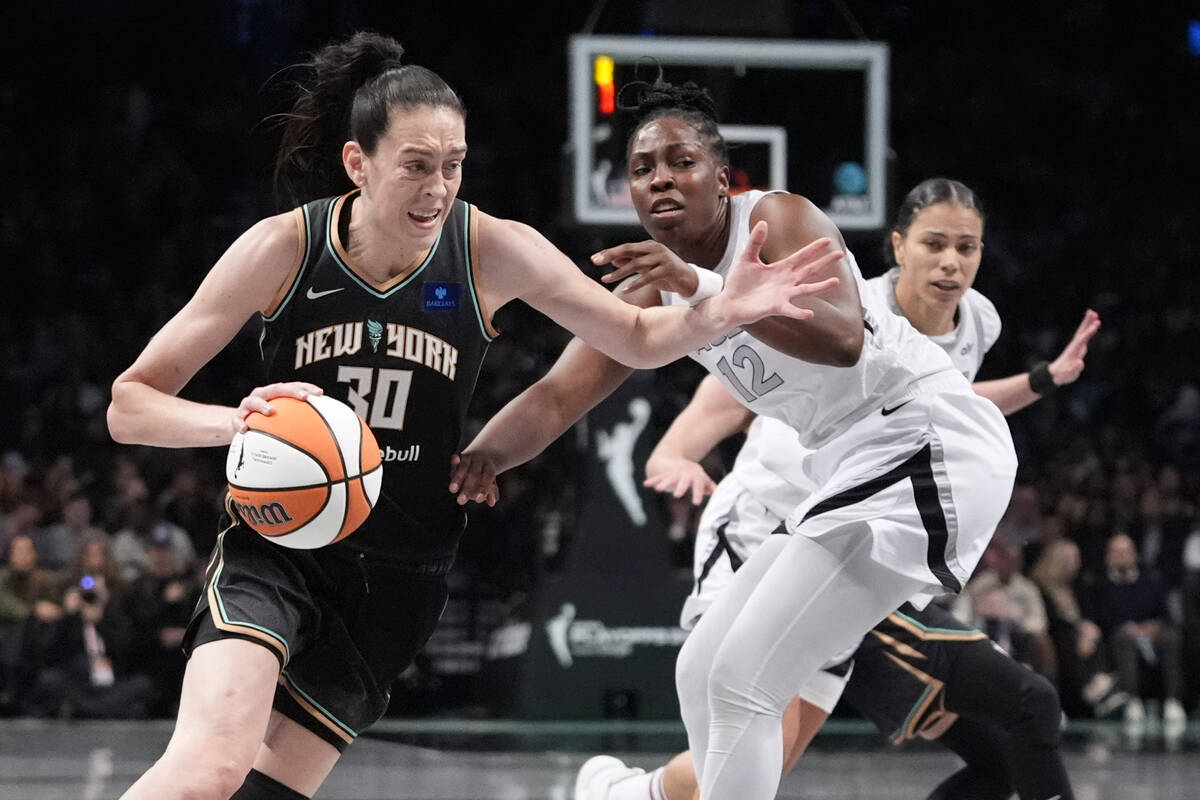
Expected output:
(886, 411)
(311, 295)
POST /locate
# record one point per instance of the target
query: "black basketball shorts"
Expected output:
(343, 624)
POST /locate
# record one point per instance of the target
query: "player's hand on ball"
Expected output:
(473, 477)
(258, 400)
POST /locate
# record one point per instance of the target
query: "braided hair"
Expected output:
(650, 101)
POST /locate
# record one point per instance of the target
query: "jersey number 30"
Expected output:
(379, 396)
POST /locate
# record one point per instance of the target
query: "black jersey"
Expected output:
(902, 666)
(405, 357)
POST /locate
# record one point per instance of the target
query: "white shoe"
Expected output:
(1174, 719)
(1135, 717)
(598, 774)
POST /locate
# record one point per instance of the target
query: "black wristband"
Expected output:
(1040, 380)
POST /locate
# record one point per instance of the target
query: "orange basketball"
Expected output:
(307, 475)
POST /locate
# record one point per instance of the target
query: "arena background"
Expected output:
(134, 153)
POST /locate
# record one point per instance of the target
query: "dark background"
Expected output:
(135, 150)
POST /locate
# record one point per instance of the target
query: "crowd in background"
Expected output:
(1094, 576)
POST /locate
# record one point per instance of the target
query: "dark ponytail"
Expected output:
(648, 101)
(927, 193)
(351, 89)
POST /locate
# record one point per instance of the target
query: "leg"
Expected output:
(607, 778)
(293, 756)
(1169, 644)
(985, 776)
(1124, 649)
(810, 605)
(989, 688)
(801, 722)
(695, 657)
(223, 711)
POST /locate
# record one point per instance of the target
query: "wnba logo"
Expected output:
(265, 514)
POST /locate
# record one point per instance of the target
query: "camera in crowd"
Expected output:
(88, 593)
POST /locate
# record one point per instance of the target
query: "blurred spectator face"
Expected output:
(1169, 481)
(94, 556)
(1121, 555)
(1053, 528)
(22, 555)
(1125, 485)
(1003, 558)
(1064, 556)
(161, 559)
(78, 512)
(1150, 505)
(939, 255)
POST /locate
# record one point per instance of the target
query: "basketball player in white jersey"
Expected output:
(936, 243)
(910, 469)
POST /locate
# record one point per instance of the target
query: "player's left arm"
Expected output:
(1015, 392)
(834, 334)
(517, 262)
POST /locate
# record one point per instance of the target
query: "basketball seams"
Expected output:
(280, 426)
(281, 496)
(341, 459)
(328, 487)
(288, 443)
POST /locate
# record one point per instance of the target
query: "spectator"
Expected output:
(1076, 641)
(60, 543)
(23, 520)
(95, 558)
(1129, 606)
(13, 469)
(77, 666)
(160, 603)
(25, 590)
(131, 543)
(1008, 607)
(1160, 529)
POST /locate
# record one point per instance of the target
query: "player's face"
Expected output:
(415, 172)
(939, 255)
(678, 187)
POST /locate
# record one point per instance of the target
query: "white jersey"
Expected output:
(781, 471)
(818, 402)
(771, 462)
(977, 330)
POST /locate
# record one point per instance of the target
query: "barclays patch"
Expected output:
(441, 296)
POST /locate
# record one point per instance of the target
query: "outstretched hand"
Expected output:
(473, 478)
(754, 290)
(1069, 364)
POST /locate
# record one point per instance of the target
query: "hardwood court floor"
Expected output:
(52, 760)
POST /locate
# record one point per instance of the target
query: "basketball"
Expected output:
(307, 475)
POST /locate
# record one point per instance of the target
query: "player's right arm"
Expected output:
(712, 415)
(145, 408)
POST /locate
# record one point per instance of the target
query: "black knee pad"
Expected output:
(261, 787)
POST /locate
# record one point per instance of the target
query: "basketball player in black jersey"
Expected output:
(377, 290)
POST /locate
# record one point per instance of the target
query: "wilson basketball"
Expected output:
(307, 475)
